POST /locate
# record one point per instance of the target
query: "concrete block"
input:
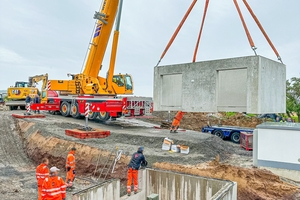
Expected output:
(252, 84)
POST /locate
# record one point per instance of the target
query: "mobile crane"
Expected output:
(17, 94)
(87, 86)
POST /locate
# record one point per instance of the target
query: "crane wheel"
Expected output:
(103, 116)
(93, 115)
(65, 108)
(75, 111)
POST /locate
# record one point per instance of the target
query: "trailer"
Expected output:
(102, 107)
(231, 132)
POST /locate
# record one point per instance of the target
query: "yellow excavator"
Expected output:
(88, 82)
(17, 94)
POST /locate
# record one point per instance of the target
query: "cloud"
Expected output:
(8, 56)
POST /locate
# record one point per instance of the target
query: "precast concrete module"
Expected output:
(252, 84)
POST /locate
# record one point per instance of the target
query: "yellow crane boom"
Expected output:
(88, 82)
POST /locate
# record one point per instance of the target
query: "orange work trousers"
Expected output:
(39, 192)
(175, 124)
(132, 174)
(70, 177)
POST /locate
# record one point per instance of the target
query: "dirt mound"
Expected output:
(253, 184)
(55, 149)
(195, 121)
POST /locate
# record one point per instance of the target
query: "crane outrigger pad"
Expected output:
(21, 116)
(90, 133)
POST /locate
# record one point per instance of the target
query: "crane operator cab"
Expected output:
(122, 83)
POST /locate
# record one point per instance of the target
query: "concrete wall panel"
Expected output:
(174, 186)
(202, 81)
(107, 190)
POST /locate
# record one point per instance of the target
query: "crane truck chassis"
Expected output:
(103, 107)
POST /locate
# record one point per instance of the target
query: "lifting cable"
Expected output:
(262, 30)
(245, 26)
(200, 32)
(177, 30)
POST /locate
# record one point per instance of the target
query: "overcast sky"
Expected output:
(38, 37)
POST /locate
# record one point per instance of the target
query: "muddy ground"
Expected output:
(46, 137)
(195, 121)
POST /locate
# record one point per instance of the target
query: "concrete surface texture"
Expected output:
(104, 191)
(175, 186)
(283, 161)
(252, 84)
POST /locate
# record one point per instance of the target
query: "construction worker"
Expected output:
(54, 187)
(137, 160)
(37, 100)
(42, 172)
(70, 168)
(27, 102)
(176, 121)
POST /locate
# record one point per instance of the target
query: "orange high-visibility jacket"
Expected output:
(70, 162)
(41, 173)
(179, 115)
(54, 188)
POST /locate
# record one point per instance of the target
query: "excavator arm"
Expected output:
(33, 80)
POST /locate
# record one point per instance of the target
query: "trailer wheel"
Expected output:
(75, 111)
(235, 137)
(93, 115)
(219, 133)
(103, 116)
(22, 107)
(65, 108)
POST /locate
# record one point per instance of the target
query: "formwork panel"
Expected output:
(252, 84)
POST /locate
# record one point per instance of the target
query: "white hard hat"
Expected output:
(54, 169)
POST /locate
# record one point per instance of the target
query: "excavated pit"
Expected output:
(55, 149)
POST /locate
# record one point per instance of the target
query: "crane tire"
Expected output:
(103, 116)
(65, 109)
(74, 111)
(93, 115)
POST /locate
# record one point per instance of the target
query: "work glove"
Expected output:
(68, 168)
(144, 164)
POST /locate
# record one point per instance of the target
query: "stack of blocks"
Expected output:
(168, 145)
(81, 134)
